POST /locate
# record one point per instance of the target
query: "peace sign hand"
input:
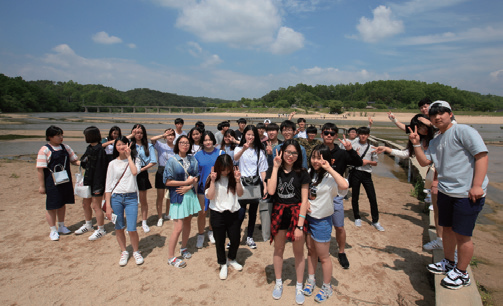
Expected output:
(127, 151)
(237, 174)
(213, 175)
(268, 148)
(346, 143)
(324, 164)
(277, 160)
(414, 136)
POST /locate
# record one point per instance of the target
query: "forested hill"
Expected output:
(381, 95)
(18, 95)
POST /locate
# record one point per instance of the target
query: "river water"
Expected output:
(157, 123)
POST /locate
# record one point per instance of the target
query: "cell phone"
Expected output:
(114, 218)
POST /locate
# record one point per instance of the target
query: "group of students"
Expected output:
(303, 178)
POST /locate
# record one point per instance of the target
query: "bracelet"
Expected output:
(302, 216)
(416, 146)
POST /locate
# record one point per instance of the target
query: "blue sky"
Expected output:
(245, 48)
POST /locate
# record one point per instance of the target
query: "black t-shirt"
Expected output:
(289, 185)
(238, 134)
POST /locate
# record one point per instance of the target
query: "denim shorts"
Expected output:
(458, 213)
(338, 215)
(125, 203)
(320, 229)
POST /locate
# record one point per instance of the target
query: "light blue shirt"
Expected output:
(453, 155)
(145, 160)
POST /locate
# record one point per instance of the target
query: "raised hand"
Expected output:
(346, 143)
(127, 151)
(414, 136)
(371, 121)
(277, 160)
(324, 164)
(391, 116)
(268, 148)
(213, 175)
(237, 174)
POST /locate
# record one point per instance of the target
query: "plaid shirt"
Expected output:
(277, 215)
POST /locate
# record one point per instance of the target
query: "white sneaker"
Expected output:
(434, 245)
(124, 258)
(378, 226)
(358, 222)
(430, 207)
(64, 230)
(83, 229)
(234, 264)
(250, 243)
(200, 241)
(138, 258)
(97, 235)
(145, 227)
(54, 236)
(159, 222)
(210, 237)
(223, 272)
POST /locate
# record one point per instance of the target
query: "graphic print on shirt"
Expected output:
(286, 190)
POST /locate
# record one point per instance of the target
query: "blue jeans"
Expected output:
(128, 203)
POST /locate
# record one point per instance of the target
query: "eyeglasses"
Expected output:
(326, 133)
(184, 143)
(292, 153)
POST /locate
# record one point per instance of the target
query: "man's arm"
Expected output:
(479, 174)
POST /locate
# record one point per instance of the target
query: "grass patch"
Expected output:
(485, 295)
(13, 175)
(14, 136)
(475, 262)
(417, 191)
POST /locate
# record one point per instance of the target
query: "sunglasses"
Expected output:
(326, 133)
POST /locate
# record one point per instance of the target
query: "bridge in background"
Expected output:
(146, 108)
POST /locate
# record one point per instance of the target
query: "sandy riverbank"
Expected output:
(386, 268)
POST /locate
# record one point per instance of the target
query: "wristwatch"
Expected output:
(300, 227)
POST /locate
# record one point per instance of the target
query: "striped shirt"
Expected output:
(44, 155)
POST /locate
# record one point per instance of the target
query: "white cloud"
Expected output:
(382, 26)
(103, 38)
(132, 46)
(242, 24)
(208, 60)
(488, 34)
(420, 6)
(495, 75)
(287, 41)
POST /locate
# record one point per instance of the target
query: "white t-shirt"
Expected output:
(178, 135)
(248, 161)
(223, 200)
(322, 206)
(127, 183)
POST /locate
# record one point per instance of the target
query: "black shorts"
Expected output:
(286, 219)
(159, 184)
(143, 181)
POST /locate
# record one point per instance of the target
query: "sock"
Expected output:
(462, 271)
(298, 286)
(327, 286)
(61, 224)
(101, 227)
(453, 263)
(144, 222)
(279, 282)
(310, 276)
(89, 223)
(53, 229)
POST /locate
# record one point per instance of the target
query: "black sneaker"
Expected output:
(343, 260)
(441, 267)
(456, 279)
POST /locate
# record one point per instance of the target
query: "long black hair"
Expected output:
(143, 141)
(257, 145)
(112, 129)
(297, 165)
(233, 144)
(415, 122)
(324, 152)
(124, 140)
(189, 135)
(224, 162)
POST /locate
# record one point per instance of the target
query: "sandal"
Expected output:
(177, 262)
